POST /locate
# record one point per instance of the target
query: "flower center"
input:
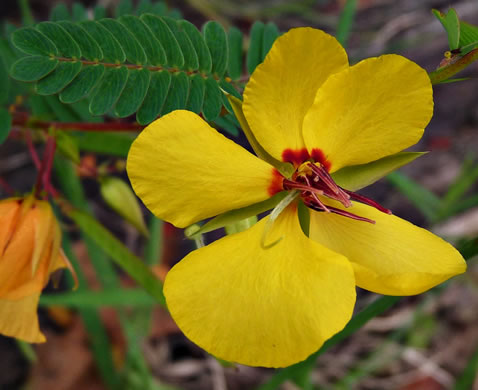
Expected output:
(313, 181)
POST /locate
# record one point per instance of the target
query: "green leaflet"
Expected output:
(196, 94)
(124, 7)
(355, 177)
(89, 48)
(99, 12)
(451, 23)
(461, 35)
(33, 68)
(174, 55)
(254, 54)
(158, 90)
(33, 42)
(5, 124)
(229, 124)
(270, 34)
(78, 12)
(191, 60)
(212, 100)
(178, 93)
(216, 41)
(82, 84)
(234, 38)
(133, 93)
(66, 45)
(112, 50)
(108, 91)
(133, 50)
(55, 81)
(197, 40)
(59, 12)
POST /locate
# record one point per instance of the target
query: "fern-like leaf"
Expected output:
(148, 65)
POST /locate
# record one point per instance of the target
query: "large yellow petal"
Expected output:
(18, 318)
(184, 170)
(283, 87)
(392, 257)
(371, 110)
(262, 307)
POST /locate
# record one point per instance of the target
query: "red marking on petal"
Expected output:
(295, 157)
(319, 156)
(276, 183)
(298, 156)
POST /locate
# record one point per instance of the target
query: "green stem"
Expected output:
(445, 72)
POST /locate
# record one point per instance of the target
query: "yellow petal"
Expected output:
(392, 257)
(371, 110)
(44, 228)
(184, 170)
(16, 278)
(9, 213)
(262, 307)
(283, 87)
(18, 318)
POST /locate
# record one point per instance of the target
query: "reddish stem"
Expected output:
(44, 173)
(32, 150)
(22, 119)
(6, 187)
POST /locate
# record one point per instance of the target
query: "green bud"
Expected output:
(120, 197)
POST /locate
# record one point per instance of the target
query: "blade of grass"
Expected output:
(427, 202)
(154, 246)
(117, 297)
(466, 179)
(101, 347)
(73, 190)
(119, 253)
(99, 340)
(346, 21)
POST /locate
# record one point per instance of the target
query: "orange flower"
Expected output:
(30, 251)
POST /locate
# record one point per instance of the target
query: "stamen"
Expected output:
(325, 177)
(341, 212)
(370, 202)
(313, 179)
(323, 206)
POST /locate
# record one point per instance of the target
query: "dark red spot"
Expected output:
(295, 157)
(276, 183)
(299, 156)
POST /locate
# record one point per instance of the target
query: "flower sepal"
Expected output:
(235, 216)
(356, 177)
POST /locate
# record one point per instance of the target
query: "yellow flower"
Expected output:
(30, 251)
(335, 128)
